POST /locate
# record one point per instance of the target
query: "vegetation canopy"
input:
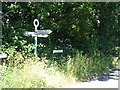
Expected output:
(87, 32)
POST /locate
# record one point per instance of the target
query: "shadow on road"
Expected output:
(106, 80)
(113, 74)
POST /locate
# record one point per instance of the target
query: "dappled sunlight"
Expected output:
(51, 76)
(35, 75)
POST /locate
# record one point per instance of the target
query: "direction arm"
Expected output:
(29, 33)
(43, 32)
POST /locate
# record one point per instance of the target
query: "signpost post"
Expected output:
(35, 42)
(37, 33)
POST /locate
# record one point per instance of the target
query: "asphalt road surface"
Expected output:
(107, 80)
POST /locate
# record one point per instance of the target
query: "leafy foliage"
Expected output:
(81, 25)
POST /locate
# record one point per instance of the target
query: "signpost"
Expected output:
(57, 51)
(34, 34)
(43, 32)
(2, 57)
(37, 33)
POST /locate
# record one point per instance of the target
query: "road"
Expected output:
(107, 80)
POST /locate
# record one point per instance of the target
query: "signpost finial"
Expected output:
(36, 23)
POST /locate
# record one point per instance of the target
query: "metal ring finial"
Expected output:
(36, 23)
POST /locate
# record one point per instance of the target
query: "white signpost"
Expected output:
(3, 55)
(37, 33)
(33, 34)
(43, 32)
(2, 58)
(57, 51)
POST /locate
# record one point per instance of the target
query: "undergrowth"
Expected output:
(25, 70)
(33, 75)
(84, 68)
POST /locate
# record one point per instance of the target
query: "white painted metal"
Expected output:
(57, 51)
(29, 33)
(44, 36)
(35, 35)
(36, 24)
(3, 55)
(43, 32)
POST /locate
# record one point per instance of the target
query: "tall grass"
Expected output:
(33, 75)
(83, 67)
(28, 71)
